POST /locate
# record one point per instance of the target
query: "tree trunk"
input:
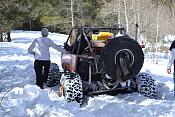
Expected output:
(126, 17)
(1, 37)
(157, 32)
(30, 23)
(134, 10)
(136, 32)
(8, 37)
(72, 21)
(138, 20)
(173, 21)
(119, 8)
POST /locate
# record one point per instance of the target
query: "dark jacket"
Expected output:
(172, 45)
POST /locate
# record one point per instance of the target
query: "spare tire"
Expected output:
(122, 44)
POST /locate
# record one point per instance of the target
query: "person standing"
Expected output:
(171, 62)
(40, 49)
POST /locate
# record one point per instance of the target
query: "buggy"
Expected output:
(102, 61)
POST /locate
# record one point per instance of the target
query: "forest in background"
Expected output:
(156, 18)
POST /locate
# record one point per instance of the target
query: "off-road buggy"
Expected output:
(100, 61)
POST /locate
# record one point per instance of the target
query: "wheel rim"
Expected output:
(129, 56)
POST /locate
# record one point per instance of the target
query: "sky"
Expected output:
(20, 97)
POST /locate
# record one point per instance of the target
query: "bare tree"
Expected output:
(126, 16)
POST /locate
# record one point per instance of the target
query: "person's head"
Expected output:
(44, 32)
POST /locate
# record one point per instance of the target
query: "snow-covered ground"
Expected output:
(20, 96)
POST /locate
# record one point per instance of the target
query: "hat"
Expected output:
(44, 32)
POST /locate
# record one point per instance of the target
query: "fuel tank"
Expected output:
(69, 62)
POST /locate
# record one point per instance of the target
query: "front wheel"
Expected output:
(71, 87)
(54, 75)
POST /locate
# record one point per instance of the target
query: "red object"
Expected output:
(142, 45)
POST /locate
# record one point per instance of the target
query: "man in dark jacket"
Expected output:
(40, 49)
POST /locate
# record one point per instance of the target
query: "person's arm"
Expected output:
(171, 61)
(30, 49)
(57, 47)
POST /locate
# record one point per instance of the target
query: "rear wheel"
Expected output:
(146, 85)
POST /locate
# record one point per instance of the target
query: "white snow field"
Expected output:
(20, 97)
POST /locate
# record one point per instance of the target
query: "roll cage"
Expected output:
(83, 37)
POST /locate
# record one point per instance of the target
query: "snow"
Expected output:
(20, 96)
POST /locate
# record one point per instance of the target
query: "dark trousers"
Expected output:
(41, 70)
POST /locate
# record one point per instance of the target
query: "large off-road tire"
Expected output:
(132, 51)
(71, 87)
(54, 75)
(146, 85)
